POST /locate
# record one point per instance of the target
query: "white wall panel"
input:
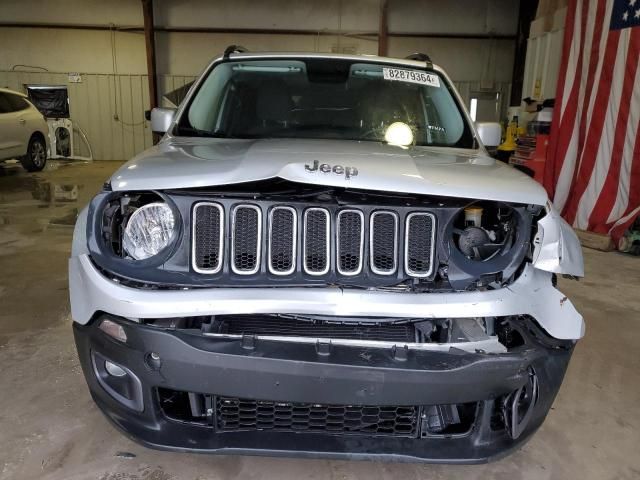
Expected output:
(464, 59)
(349, 15)
(461, 17)
(109, 108)
(85, 51)
(118, 12)
(203, 47)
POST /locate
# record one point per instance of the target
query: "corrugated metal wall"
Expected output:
(110, 108)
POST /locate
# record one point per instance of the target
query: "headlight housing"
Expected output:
(149, 230)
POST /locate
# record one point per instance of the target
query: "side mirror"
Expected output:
(490, 133)
(161, 119)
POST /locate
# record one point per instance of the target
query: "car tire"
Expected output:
(36, 157)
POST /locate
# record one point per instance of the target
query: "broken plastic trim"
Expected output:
(557, 247)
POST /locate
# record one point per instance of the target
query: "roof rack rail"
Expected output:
(233, 49)
(420, 57)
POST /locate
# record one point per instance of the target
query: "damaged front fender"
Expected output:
(557, 248)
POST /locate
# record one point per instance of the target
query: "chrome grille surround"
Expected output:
(430, 247)
(372, 242)
(306, 239)
(220, 240)
(294, 243)
(254, 257)
(348, 245)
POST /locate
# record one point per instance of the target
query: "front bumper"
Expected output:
(531, 294)
(345, 375)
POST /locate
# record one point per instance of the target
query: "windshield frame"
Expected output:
(185, 105)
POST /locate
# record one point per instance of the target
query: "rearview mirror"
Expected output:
(161, 119)
(490, 133)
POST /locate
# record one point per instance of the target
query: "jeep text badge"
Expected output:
(348, 172)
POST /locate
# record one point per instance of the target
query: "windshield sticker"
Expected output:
(412, 76)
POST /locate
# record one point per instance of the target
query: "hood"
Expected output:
(203, 162)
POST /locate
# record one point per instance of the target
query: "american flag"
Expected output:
(593, 160)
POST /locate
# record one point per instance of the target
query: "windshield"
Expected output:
(326, 99)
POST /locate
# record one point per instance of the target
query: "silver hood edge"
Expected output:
(204, 162)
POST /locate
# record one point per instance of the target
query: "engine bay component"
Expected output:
(488, 243)
(474, 242)
(437, 334)
(484, 236)
(473, 216)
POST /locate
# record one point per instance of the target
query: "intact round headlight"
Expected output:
(149, 231)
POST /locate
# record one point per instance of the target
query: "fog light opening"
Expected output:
(519, 405)
(114, 370)
(118, 381)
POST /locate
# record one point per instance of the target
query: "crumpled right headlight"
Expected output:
(149, 230)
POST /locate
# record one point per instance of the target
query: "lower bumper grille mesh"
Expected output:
(235, 414)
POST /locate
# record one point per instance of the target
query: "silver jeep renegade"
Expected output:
(319, 258)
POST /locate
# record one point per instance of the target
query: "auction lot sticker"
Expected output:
(400, 75)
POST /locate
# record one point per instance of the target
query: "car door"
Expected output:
(24, 116)
(6, 118)
(13, 126)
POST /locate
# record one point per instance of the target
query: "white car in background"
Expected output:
(23, 131)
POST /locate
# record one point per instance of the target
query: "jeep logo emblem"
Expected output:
(348, 172)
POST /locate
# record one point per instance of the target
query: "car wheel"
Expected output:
(36, 156)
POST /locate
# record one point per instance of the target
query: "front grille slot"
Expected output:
(282, 240)
(350, 242)
(246, 240)
(208, 235)
(384, 243)
(236, 414)
(419, 240)
(316, 241)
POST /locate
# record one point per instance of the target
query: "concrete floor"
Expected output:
(50, 429)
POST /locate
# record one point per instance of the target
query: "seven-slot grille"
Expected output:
(311, 240)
